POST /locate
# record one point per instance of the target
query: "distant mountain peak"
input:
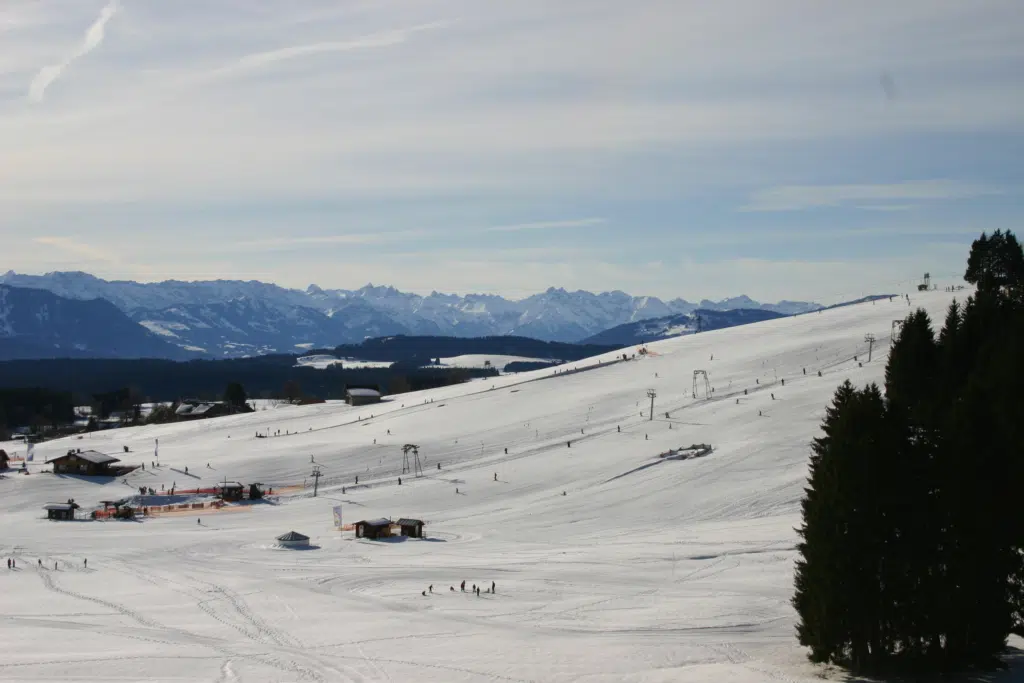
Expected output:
(232, 318)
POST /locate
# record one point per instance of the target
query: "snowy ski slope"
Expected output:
(646, 569)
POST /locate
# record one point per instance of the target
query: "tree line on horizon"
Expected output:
(912, 537)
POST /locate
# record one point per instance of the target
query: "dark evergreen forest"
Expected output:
(912, 535)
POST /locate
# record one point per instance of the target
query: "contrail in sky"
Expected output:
(93, 37)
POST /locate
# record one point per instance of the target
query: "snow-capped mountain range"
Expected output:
(230, 318)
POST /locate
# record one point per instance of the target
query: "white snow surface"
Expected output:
(647, 569)
(322, 361)
(480, 360)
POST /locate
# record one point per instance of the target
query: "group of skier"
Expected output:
(13, 564)
(462, 587)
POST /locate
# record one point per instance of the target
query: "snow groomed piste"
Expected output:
(618, 552)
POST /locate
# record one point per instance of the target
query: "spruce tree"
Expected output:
(838, 591)
(996, 264)
(819, 598)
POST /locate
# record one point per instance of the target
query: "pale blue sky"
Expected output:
(779, 148)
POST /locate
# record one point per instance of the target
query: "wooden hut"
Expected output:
(89, 463)
(293, 539)
(61, 511)
(375, 528)
(413, 528)
(361, 396)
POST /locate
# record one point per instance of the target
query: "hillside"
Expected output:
(38, 324)
(610, 563)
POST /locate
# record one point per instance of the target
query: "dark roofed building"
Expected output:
(61, 511)
(413, 528)
(361, 396)
(89, 463)
(374, 528)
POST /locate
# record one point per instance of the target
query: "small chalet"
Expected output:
(89, 463)
(61, 511)
(293, 539)
(359, 396)
(375, 528)
(230, 490)
(413, 528)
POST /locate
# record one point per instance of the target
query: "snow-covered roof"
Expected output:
(363, 392)
(60, 506)
(94, 457)
(376, 522)
(228, 485)
(405, 521)
(194, 408)
(293, 536)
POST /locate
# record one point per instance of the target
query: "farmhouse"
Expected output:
(360, 396)
(293, 539)
(89, 463)
(413, 528)
(197, 410)
(375, 528)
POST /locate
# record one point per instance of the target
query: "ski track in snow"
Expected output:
(640, 573)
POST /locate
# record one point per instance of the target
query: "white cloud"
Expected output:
(77, 248)
(273, 243)
(799, 197)
(93, 38)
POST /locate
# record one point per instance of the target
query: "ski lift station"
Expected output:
(61, 511)
(230, 490)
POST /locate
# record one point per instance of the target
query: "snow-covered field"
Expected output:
(482, 360)
(322, 361)
(610, 563)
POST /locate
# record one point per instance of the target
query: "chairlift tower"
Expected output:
(697, 384)
(870, 339)
(651, 394)
(316, 479)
